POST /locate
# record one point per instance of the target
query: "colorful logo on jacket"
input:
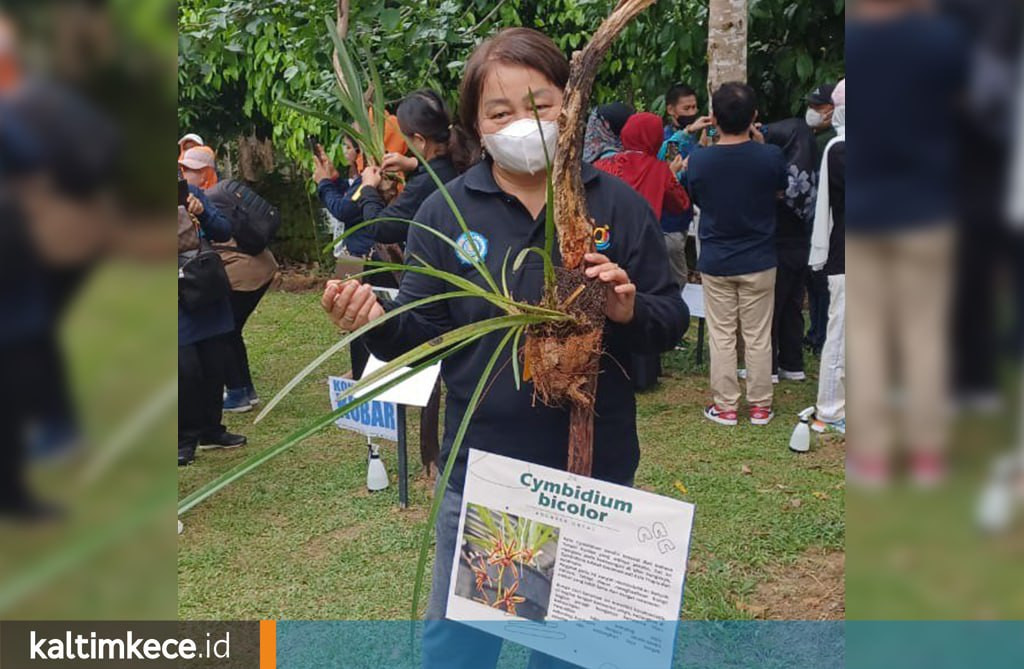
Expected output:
(472, 247)
(602, 238)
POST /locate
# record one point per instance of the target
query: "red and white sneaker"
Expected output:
(868, 471)
(718, 415)
(761, 415)
(928, 469)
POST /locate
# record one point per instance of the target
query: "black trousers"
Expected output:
(788, 320)
(817, 299)
(21, 388)
(200, 391)
(243, 303)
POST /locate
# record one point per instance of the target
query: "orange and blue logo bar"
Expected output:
(268, 644)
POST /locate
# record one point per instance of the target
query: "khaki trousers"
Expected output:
(897, 305)
(746, 301)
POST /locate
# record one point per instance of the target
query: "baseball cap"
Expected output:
(197, 158)
(191, 137)
(822, 95)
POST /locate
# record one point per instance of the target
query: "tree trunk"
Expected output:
(570, 363)
(727, 43)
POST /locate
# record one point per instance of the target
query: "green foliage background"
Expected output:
(237, 58)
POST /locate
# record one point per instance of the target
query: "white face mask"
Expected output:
(814, 118)
(519, 146)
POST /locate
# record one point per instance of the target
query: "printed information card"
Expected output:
(551, 552)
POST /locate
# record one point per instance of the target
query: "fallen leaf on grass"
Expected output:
(795, 502)
(681, 488)
(820, 495)
(746, 470)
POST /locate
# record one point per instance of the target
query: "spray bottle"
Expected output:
(376, 474)
(800, 440)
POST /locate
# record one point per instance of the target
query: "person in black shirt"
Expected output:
(425, 121)
(794, 216)
(502, 199)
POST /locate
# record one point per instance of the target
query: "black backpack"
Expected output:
(254, 221)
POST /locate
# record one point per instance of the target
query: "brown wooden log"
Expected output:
(575, 227)
(573, 222)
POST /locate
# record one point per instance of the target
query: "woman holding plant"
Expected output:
(511, 98)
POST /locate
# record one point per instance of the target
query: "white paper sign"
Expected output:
(375, 418)
(413, 392)
(539, 544)
(693, 295)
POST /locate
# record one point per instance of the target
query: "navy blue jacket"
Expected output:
(214, 319)
(506, 420)
(418, 187)
(337, 198)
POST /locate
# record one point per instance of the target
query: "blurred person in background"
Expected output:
(189, 141)
(203, 333)
(794, 216)
(818, 117)
(658, 182)
(250, 274)
(736, 183)
(899, 215)
(337, 194)
(57, 155)
(602, 138)
(60, 175)
(682, 134)
(989, 255)
(828, 255)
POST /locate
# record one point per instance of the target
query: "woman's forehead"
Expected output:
(507, 82)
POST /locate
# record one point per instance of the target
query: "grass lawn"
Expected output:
(301, 538)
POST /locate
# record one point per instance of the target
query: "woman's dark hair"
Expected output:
(423, 112)
(734, 105)
(512, 46)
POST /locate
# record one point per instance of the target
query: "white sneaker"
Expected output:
(787, 375)
(775, 379)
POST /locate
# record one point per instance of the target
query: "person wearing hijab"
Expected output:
(604, 126)
(828, 253)
(794, 213)
(200, 161)
(637, 164)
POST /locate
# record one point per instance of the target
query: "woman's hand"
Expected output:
(372, 176)
(195, 205)
(323, 168)
(349, 304)
(396, 162)
(620, 298)
(677, 165)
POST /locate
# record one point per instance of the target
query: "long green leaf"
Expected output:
(257, 460)
(476, 261)
(549, 210)
(467, 285)
(327, 118)
(548, 265)
(345, 341)
(515, 356)
(442, 484)
(442, 341)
